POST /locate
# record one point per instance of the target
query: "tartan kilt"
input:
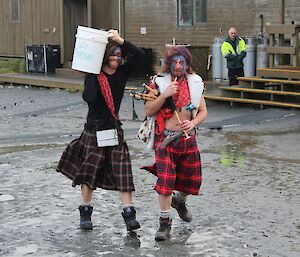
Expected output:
(105, 167)
(177, 167)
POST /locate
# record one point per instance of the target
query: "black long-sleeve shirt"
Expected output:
(99, 116)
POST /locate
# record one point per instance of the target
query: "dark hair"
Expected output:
(177, 50)
(110, 48)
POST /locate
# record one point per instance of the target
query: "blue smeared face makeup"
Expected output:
(115, 59)
(178, 66)
(118, 53)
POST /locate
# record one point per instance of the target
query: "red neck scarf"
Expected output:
(183, 97)
(106, 92)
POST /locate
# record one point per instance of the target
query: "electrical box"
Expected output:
(42, 58)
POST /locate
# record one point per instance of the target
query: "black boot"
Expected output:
(163, 232)
(129, 218)
(85, 217)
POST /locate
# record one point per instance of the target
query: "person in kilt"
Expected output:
(106, 167)
(179, 107)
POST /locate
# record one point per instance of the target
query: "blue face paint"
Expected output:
(178, 65)
(118, 53)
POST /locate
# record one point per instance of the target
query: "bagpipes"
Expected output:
(144, 95)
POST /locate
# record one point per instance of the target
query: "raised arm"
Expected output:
(90, 91)
(136, 56)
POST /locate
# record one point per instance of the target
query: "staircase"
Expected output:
(272, 87)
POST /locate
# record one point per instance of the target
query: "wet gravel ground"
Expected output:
(249, 203)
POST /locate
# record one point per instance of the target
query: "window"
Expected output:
(185, 14)
(15, 10)
(200, 11)
(191, 12)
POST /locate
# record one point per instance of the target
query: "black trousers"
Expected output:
(233, 74)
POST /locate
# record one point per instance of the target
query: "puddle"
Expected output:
(231, 157)
(232, 147)
(234, 152)
(235, 148)
(6, 197)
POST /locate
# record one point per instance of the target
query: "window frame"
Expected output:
(180, 11)
(15, 12)
(195, 13)
(192, 13)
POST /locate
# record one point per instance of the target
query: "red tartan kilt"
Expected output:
(177, 167)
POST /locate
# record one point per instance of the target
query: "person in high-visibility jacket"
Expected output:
(234, 50)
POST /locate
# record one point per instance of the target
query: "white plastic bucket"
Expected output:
(89, 49)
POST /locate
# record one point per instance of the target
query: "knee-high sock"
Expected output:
(164, 214)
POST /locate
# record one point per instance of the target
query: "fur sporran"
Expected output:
(145, 130)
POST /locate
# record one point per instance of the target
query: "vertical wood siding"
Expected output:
(39, 24)
(74, 13)
(46, 21)
(105, 14)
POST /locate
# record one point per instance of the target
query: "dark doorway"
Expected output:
(75, 13)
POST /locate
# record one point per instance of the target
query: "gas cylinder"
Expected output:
(250, 59)
(262, 58)
(217, 59)
(224, 69)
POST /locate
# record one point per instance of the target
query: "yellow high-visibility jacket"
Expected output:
(234, 54)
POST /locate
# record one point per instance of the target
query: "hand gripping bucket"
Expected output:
(89, 49)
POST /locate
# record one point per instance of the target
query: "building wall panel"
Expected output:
(105, 14)
(160, 20)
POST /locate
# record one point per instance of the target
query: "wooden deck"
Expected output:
(62, 79)
(42, 80)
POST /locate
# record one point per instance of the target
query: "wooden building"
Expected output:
(148, 23)
(197, 22)
(53, 22)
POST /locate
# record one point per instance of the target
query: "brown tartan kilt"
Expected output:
(105, 167)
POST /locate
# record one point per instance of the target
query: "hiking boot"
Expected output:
(129, 218)
(85, 217)
(183, 212)
(163, 233)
